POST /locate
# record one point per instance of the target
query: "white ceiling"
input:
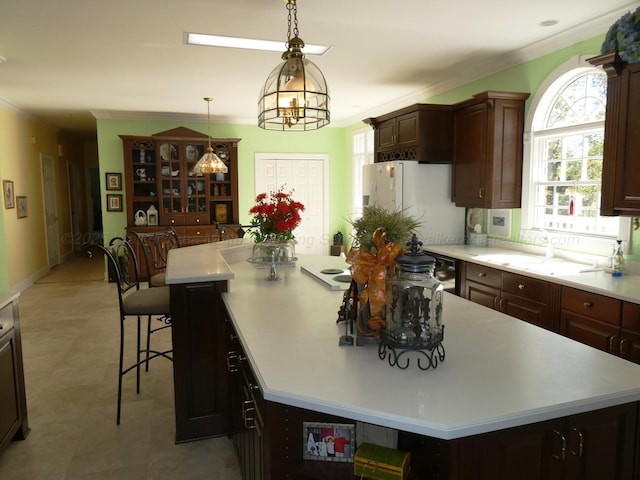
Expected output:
(67, 58)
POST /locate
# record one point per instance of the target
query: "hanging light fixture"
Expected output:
(295, 95)
(210, 162)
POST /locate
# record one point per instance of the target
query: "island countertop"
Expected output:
(499, 372)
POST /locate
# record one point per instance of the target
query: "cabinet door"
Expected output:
(172, 206)
(602, 336)
(141, 173)
(620, 174)
(469, 172)
(407, 130)
(529, 299)
(630, 333)
(482, 294)
(600, 444)
(196, 201)
(385, 134)
(531, 452)
(10, 417)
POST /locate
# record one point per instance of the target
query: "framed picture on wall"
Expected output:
(9, 199)
(113, 181)
(114, 202)
(22, 206)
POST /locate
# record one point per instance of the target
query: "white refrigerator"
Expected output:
(424, 190)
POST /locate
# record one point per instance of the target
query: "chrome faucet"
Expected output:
(549, 248)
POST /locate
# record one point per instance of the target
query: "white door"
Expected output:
(306, 174)
(50, 208)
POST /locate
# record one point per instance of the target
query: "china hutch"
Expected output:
(163, 190)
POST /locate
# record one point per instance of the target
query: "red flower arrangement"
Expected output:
(276, 215)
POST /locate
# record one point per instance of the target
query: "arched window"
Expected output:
(565, 173)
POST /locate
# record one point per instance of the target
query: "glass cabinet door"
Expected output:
(195, 183)
(171, 178)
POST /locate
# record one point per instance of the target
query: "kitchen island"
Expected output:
(501, 379)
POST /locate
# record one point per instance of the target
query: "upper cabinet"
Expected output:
(620, 172)
(159, 175)
(487, 150)
(420, 132)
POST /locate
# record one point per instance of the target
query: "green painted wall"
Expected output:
(335, 142)
(527, 77)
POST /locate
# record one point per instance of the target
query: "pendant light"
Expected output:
(210, 162)
(295, 96)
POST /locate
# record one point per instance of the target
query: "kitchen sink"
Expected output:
(537, 264)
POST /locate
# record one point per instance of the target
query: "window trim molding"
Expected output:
(528, 234)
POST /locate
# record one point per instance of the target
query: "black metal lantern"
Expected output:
(413, 312)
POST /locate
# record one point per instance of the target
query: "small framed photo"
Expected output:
(499, 224)
(9, 199)
(113, 181)
(114, 202)
(22, 206)
(330, 442)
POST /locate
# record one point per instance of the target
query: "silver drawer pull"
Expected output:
(482, 274)
(521, 286)
(587, 304)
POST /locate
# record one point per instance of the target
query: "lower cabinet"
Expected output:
(13, 405)
(532, 300)
(602, 322)
(596, 445)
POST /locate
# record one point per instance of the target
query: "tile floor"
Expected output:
(70, 348)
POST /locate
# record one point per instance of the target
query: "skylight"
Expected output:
(249, 43)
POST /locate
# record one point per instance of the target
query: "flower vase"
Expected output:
(274, 250)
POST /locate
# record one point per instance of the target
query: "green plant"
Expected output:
(397, 225)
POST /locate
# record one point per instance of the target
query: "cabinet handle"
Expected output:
(172, 221)
(563, 447)
(502, 304)
(624, 346)
(580, 443)
(612, 343)
(481, 192)
(233, 361)
(247, 414)
(521, 286)
(482, 274)
(197, 220)
(587, 304)
(253, 387)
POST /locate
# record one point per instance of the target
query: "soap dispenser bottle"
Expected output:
(618, 261)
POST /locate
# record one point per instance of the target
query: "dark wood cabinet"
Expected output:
(532, 300)
(421, 132)
(14, 424)
(201, 379)
(589, 446)
(620, 172)
(605, 323)
(487, 150)
(158, 173)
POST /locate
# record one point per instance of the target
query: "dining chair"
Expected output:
(134, 300)
(231, 231)
(155, 248)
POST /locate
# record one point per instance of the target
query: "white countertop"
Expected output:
(626, 287)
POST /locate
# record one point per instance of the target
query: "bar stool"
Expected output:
(134, 301)
(155, 247)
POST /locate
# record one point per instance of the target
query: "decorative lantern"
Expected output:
(152, 215)
(413, 312)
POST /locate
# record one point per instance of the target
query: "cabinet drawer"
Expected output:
(591, 305)
(485, 275)
(6, 319)
(528, 287)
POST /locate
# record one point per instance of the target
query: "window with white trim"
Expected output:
(362, 155)
(565, 175)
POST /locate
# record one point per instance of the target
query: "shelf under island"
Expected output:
(255, 359)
